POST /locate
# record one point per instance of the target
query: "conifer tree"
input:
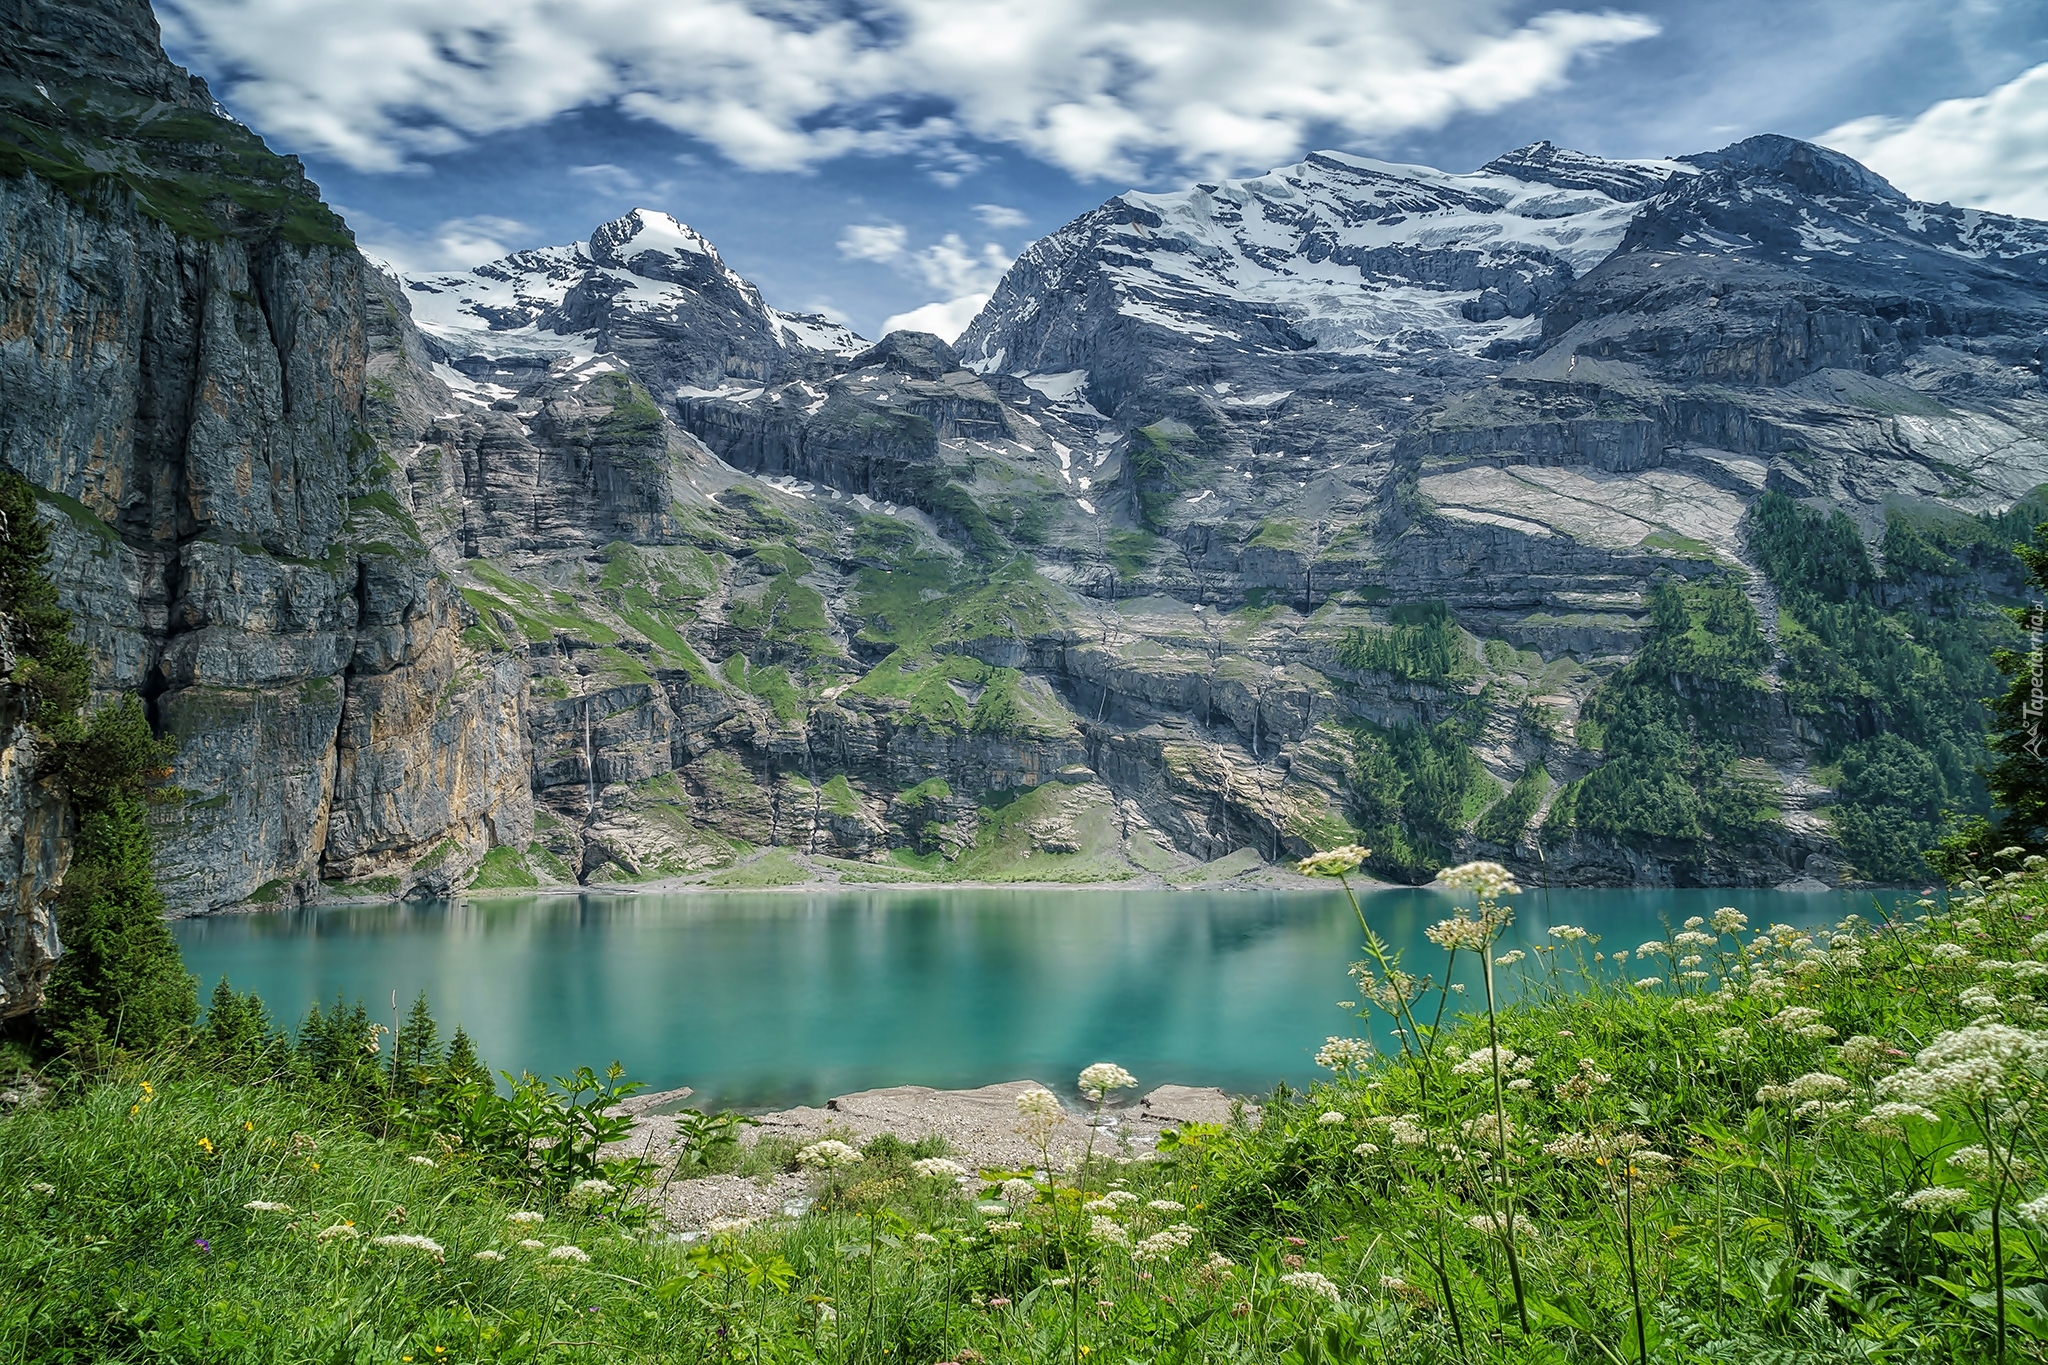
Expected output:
(417, 1048)
(2018, 774)
(119, 982)
(462, 1063)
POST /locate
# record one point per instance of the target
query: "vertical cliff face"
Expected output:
(33, 854)
(183, 356)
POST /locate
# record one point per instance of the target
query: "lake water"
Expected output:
(768, 999)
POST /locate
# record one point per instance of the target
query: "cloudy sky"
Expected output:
(885, 159)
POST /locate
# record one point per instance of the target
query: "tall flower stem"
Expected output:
(1500, 1132)
(1628, 1237)
(2000, 1169)
(1439, 1264)
(1378, 954)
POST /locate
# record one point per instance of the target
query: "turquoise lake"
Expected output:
(765, 999)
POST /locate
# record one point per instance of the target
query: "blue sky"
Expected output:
(871, 158)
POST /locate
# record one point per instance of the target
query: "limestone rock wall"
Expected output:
(190, 395)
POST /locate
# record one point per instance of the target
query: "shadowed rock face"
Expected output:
(35, 850)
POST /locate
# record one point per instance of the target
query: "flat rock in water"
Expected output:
(1176, 1104)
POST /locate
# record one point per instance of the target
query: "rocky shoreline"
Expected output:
(980, 1128)
(1265, 877)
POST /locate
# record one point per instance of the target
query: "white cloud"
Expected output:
(607, 179)
(1988, 152)
(455, 244)
(964, 276)
(1097, 87)
(945, 320)
(996, 217)
(884, 242)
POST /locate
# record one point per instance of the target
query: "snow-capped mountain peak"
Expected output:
(644, 285)
(623, 240)
(1338, 253)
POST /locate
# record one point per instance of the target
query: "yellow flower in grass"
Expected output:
(206, 1144)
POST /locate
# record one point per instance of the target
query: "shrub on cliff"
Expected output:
(50, 668)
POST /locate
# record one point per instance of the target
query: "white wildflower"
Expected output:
(45, 1188)
(1817, 1085)
(1459, 931)
(408, 1241)
(938, 1168)
(728, 1227)
(1729, 920)
(525, 1216)
(1949, 952)
(533, 1244)
(1509, 958)
(1489, 881)
(1335, 862)
(1969, 1064)
(1036, 1103)
(1017, 1192)
(426, 1161)
(1480, 1062)
(1330, 1118)
(1166, 1206)
(338, 1232)
(829, 1155)
(1568, 933)
(566, 1252)
(1313, 1282)
(258, 1205)
(1404, 1131)
(1937, 1199)
(1344, 1054)
(1161, 1245)
(1974, 1161)
(1098, 1080)
(1108, 1231)
(1647, 981)
(1495, 1224)
(488, 1256)
(1366, 1149)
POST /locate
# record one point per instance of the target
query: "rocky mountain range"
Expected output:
(588, 565)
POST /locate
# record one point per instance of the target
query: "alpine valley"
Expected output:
(1623, 521)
